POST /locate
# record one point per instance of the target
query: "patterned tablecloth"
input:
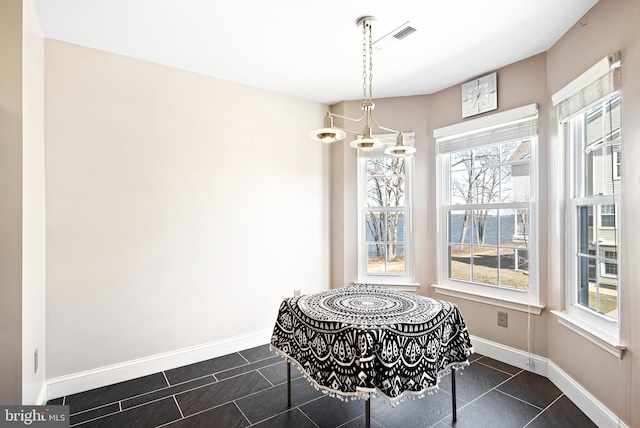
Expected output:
(363, 339)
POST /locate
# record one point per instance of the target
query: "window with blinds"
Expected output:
(487, 204)
(589, 113)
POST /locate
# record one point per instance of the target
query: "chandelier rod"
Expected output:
(365, 113)
(349, 118)
(383, 128)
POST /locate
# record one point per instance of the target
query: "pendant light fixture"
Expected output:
(330, 134)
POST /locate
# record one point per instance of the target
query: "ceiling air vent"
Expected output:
(395, 36)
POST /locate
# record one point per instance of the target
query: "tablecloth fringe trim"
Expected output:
(367, 393)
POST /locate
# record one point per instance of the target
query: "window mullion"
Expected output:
(498, 206)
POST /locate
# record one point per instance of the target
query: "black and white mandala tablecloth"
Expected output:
(363, 339)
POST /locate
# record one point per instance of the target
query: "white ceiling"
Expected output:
(312, 49)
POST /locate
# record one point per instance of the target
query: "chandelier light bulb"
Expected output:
(400, 150)
(328, 134)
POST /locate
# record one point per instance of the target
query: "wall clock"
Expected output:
(479, 95)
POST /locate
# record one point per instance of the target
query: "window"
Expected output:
(607, 216)
(617, 164)
(594, 145)
(610, 267)
(487, 215)
(384, 184)
(589, 115)
(487, 194)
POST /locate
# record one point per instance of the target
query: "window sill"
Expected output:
(400, 286)
(489, 299)
(592, 334)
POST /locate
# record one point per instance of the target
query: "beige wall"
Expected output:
(181, 209)
(610, 26)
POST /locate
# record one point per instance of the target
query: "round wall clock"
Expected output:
(479, 95)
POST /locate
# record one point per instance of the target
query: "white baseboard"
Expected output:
(592, 407)
(583, 399)
(102, 376)
(42, 395)
(513, 356)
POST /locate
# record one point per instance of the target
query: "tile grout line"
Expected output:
(501, 371)
(240, 410)
(172, 386)
(265, 378)
(273, 416)
(307, 416)
(544, 410)
(197, 413)
(213, 407)
(165, 378)
(175, 400)
(178, 383)
(95, 419)
(243, 357)
(520, 399)
(234, 376)
(285, 411)
(248, 364)
(123, 411)
(358, 417)
(93, 408)
(143, 394)
(482, 395)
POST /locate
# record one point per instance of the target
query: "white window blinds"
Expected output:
(516, 124)
(591, 86)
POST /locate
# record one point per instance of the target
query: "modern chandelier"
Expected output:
(331, 134)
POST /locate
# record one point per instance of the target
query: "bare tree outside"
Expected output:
(488, 237)
(385, 226)
(478, 179)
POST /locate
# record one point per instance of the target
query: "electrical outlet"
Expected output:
(35, 361)
(503, 319)
(296, 293)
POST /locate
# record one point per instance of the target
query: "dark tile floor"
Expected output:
(248, 389)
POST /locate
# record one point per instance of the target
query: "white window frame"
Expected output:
(475, 131)
(595, 84)
(407, 279)
(572, 131)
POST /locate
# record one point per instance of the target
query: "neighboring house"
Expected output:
(603, 155)
(521, 191)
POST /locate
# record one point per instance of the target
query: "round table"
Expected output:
(361, 340)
